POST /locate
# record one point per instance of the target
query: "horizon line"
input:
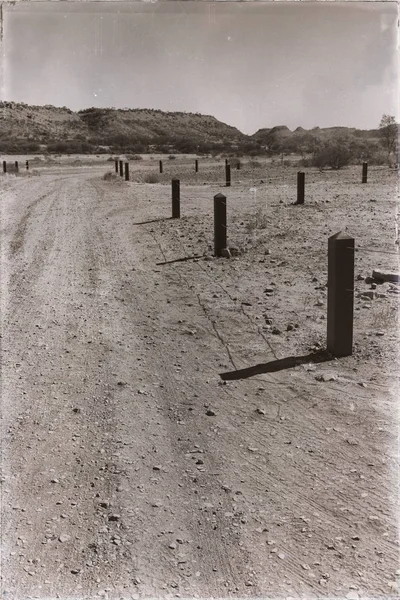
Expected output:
(182, 112)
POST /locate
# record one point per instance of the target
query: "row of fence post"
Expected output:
(301, 178)
(300, 175)
(340, 274)
(16, 166)
(119, 168)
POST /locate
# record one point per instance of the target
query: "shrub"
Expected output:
(305, 162)
(134, 157)
(255, 164)
(335, 154)
(171, 157)
(151, 178)
(258, 221)
(110, 176)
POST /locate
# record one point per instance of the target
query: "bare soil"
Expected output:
(151, 444)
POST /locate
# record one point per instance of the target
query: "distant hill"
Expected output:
(30, 129)
(135, 129)
(270, 136)
(152, 124)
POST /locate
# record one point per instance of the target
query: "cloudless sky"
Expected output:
(250, 64)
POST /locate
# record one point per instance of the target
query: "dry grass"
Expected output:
(386, 317)
(258, 221)
(110, 176)
(151, 178)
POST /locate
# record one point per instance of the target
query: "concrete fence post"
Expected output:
(176, 199)
(161, 166)
(126, 171)
(300, 187)
(4, 166)
(340, 294)
(116, 166)
(364, 172)
(228, 175)
(219, 224)
(16, 166)
(121, 168)
(196, 165)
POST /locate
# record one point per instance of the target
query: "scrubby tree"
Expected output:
(335, 153)
(389, 135)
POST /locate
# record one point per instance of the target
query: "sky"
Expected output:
(249, 64)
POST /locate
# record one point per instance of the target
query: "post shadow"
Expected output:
(277, 365)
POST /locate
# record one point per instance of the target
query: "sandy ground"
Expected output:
(130, 467)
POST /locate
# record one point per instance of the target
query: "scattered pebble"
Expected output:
(114, 518)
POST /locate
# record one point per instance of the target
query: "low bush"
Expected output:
(151, 178)
(258, 221)
(110, 176)
(134, 157)
(255, 164)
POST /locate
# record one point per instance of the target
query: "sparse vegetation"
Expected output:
(389, 134)
(334, 154)
(110, 176)
(134, 157)
(131, 132)
(258, 221)
(151, 178)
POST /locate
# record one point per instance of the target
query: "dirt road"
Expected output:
(130, 467)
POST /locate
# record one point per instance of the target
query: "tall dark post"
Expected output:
(300, 187)
(116, 166)
(121, 168)
(238, 165)
(27, 165)
(161, 166)
(340, 294)
(364, 172)
(219, 224)
(196, 165)
(126, 171)
(16, 166)
(228, 175)
(4, 166)
(176, 199)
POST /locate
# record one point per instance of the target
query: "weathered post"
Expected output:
(364, 172)
(121, 168)
(238, 165)
(228, 175)
(300, 187)
(340, 294)
(219, 224)
(4, 166)
(16, 166)
(161, 166)
(27, 165)
(126, 171)
(176, 199)
(196, 165)
(116, 165)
